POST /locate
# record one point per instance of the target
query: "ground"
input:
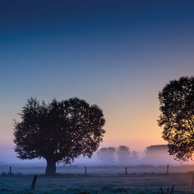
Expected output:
(97, 182)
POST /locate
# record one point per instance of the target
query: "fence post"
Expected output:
(34, 182)
(167, 169)
(85, 170)
(10, 173)
(126, 170)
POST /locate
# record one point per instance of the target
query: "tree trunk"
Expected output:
(51, 168)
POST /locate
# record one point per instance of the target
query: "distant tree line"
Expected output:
(122, 154)
(153, 154)
(157, 154)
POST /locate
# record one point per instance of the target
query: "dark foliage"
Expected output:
(177, 116)
(59, 131)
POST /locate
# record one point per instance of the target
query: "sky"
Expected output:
(117, 54)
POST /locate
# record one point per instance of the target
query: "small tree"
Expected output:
(157, 155)
(177, 116)
(124, 154)
(134, 156)
(59, 131)
(106, 154)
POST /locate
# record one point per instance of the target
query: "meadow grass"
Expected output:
(97, 183)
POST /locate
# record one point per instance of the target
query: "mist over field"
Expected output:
(111, 170)
(154, 155)
(93, 168)
(106, 173)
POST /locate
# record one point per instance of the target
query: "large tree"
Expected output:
(58, 131)
(177, 116)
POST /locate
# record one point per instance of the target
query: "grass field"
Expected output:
(97, 183)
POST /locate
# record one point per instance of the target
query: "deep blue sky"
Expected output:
(114, 53)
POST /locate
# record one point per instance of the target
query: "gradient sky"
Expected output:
(117, 54)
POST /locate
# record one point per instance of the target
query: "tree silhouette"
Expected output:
(134, 156)
(157, 154)
(106, 154)
(177, 116)
(124, 154)
(58, 131)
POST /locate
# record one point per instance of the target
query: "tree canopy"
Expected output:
(177, 116)
(58, 131)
